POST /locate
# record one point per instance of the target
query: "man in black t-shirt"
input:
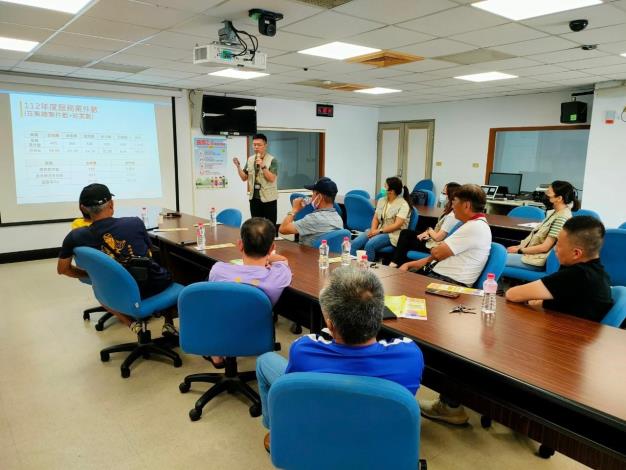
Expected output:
(120, 238)
(580, 287)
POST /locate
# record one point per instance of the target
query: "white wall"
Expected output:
(462, 129)
(605, 191)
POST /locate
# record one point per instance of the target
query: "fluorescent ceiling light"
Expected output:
(339, 50)
(17, 44)
(377, 91)
(524, 9)
(242, 74)
(623, 55)
(486, 77)
(66, 6)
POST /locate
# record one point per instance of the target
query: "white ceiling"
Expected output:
(158, 35)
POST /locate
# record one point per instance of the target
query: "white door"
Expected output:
(389, 153)
(418, 158)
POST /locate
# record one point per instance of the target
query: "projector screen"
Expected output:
(57, 141)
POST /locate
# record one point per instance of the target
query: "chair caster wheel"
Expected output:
(86, 316)
(295, 329)
(255, 410)
(178, 362)
(99, 326)
(545, 452)
(194, 414)
(422, 464)
(184, 387)
(125, 372)
(485, 422)
(104, 356)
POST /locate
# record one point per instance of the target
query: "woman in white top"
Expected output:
(392, 215)
(411, 240)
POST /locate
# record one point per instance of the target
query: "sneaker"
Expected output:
(136, 327)
(436, 409)
(266, 442)
(169, 330)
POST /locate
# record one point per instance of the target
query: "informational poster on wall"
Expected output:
(209, 155)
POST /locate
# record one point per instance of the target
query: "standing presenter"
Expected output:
(261, 172)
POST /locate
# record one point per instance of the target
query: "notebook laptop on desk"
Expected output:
(490, 191)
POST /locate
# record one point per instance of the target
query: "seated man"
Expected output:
(352, 304)
(120, 238)
(261, 266)
(580, 287)
(322, 220)
(461, 257)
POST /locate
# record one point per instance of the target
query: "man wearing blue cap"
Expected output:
(323, 219)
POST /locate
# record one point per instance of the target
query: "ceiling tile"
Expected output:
(592, 63)
(436, 48)
(147, 79)
(454, 21)
(99, 74)
(134, 59)
(299, 60)
(425, 65)
(8, 63)
(536, 46)
(200, 25)
(110, 29)
(338, 66)
(194, 6)
(599, 35)
(614, 47)
(331, 25)
(91, 42)
(40, 67)
(24, 32)
(285, 41)
(569, 75)
(178, 40)
(612, 71)
(503, 34)
(237, 12)
(175, 74)
(71, 52)
(30, 16)
(388, 37)
(566, 55)
(537, 70)
(598, 16)
(138, 13)
(400, 10)
(158, 52)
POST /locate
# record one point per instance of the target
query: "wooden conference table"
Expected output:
(558, 379)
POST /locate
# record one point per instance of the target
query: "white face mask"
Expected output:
(443, 199)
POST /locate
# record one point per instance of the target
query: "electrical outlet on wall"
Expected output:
(475, 165)
(438, 163)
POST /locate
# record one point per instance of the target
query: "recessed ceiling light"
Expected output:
(524, 9)
(377, 91)
(339, 50)
(242, 74)
(623, 55)
(66, 6)
(17, 44)
(486, 77)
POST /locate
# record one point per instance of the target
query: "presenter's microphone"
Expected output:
(256, 157)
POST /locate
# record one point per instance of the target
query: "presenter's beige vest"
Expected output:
(268, 191)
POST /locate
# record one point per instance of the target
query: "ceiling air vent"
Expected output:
(328, 4)
(385, 59)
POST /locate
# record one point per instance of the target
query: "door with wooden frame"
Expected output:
(404, 150)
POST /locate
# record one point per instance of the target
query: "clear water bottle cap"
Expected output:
(491, 276)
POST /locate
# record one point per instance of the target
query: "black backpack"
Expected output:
(419, 198)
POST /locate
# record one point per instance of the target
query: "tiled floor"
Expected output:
(61, 408)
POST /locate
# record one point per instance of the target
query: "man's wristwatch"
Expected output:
(519, 251)
(290, 213)
(263, 168)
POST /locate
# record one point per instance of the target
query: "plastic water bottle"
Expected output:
(200, 237)
(490, 287)
(212, 217)
(323, 259)
(144, 215)
(346, 258)
(363, 262)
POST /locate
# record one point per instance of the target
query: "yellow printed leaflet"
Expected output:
(459, 289)
(406, 307)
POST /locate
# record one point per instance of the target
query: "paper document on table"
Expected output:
(529, 224)
(459, 289)
(221, 245)
(334, 260)
(174, 229)
(406, 307)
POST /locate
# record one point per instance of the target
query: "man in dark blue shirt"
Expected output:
(121, 238)
(352, 304)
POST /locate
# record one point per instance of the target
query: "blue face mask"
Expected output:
(443, 199)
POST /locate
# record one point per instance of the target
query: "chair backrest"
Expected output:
(293, 196)
(414, 218)
(552, 263)
(225, 319)
(338, 209)
(613, 255)
(455, 228)
(425, 184)
(306, 210)
(379, 194)
(358, 192)
(334, 240)
(112, 284)
(230, 217)
(359, 212)
(527, 212)
(495, 264)
(617, 314)
(375, 423)
(623, 226)
(586, 212)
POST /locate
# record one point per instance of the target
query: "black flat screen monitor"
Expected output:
(508, 183)
(222, 115)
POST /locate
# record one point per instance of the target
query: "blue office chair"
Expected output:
(230, 217)
(293, 196)
(623, 226)
(117, 290)
(495, 264)
(306, 210)
(412, 225)
(586, 212)
(87, 312)
(527, 212)
(529, 275)
(431, 199)
(425, 184)
(613, 255)
(358, 192)
(617, 314)
(378, 195)
(376, 423)
(338, 209)
(415, 255)
(225, 319)
(359, 211)
(334, 240)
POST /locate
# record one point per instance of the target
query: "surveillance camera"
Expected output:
(589, 47)
(578, 25)
(267, 20)
(305, 69)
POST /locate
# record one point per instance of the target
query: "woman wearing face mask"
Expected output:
(392, 215)
(411, 240)
(532, 252)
